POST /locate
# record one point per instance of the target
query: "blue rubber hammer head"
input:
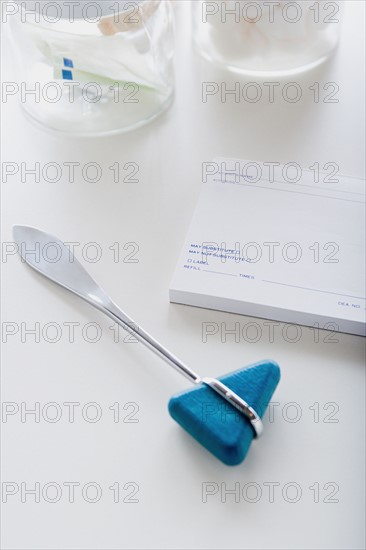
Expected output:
(215, 423)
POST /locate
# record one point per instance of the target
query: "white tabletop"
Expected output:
(316, 462)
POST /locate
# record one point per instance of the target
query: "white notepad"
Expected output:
(279, 243)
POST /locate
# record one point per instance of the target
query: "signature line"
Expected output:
(315, 290)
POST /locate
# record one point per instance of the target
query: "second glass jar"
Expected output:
(274, 37)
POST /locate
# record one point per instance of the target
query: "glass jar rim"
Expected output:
(57, 10)
(117, 16)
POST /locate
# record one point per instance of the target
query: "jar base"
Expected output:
(54, 128)
(264, 73)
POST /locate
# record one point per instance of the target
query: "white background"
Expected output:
(155, 453)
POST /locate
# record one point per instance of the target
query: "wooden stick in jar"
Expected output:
(130, 19)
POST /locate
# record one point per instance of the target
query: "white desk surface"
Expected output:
(169, 467)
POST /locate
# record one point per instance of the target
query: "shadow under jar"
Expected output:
(93, 68)
(267, 37)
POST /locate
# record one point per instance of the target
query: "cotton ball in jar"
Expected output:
(233, 36)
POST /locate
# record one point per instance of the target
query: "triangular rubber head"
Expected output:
(216, 424)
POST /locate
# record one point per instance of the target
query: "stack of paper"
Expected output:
(277, 242)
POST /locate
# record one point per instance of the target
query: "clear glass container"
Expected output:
(267, 37)
(88, 68)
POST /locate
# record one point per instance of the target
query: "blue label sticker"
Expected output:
(67, 75)
(68, 63)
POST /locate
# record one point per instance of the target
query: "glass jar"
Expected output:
(89, 68)
(267, 37)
